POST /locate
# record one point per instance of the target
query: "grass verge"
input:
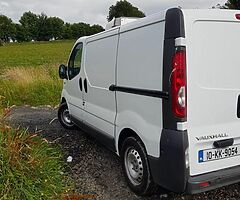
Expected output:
(30, 168)
(31, 86)
(29, 72)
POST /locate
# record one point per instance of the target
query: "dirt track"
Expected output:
(95, 170)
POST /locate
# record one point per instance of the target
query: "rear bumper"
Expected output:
(170, 172)
(215, 179)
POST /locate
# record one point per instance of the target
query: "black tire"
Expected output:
(64, 117)
(133, 148)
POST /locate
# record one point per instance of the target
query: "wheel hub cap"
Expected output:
(134, 166)
(66, 116)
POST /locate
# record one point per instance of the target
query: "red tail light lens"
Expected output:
(179, 90)
(238, 16)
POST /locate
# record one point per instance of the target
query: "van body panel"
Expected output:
(99, 73)
(213, 86)
(71, 90)
(102, 35)
(137, 54)
(142, 22)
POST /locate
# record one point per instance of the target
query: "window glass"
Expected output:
(75, 61)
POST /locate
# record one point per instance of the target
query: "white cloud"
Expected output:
(91, 11)
(4, 4)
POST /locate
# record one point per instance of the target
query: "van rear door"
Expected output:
(213, 68)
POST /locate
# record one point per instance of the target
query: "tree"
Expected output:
(44, 28)
(56, 27)
(79, 30)
(233, 4)
(21, 34)
(29, 22)
(124, 9)
(96, 29)
(67, 31)
(7, 28)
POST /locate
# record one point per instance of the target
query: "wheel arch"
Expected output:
(125, 133)
(63, 100)
(148, 186)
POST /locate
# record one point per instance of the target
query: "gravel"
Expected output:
(95, 170)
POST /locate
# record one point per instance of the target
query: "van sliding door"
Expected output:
(100, 64)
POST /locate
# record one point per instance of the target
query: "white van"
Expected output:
(163, 92)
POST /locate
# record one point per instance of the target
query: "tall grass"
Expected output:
(29, 72)
(32, 86)
(29, 167)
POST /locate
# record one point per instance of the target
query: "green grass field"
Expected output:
(34, 54)
(29, 72)
(30, 167)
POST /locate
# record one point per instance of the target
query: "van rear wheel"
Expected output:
(64, 117)
(136, 168)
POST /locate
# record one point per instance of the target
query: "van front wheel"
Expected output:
(136, 168)
(64, 117)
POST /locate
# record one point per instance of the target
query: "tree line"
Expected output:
(33, 27)
(43, 28)
(232, 4)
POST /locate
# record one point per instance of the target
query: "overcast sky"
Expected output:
(91, 11)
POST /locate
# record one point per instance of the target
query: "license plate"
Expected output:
(218, 154)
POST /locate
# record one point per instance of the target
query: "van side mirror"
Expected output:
(62, 71)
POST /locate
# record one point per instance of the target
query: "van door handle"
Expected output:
(80, 83)
(238, 107)
(223, 143)
(85, 85)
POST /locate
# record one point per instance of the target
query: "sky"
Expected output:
(91, 11)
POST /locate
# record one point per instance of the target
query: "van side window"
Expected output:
(75, 61)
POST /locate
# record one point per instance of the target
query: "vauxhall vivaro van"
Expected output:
(162, 92)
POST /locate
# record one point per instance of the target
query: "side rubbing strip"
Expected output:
(150, 93)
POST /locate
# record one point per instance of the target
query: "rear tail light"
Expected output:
(179, 90)
(237, 16)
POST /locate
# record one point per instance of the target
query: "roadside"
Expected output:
(95, 170)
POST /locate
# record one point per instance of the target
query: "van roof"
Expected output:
(201, 14)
